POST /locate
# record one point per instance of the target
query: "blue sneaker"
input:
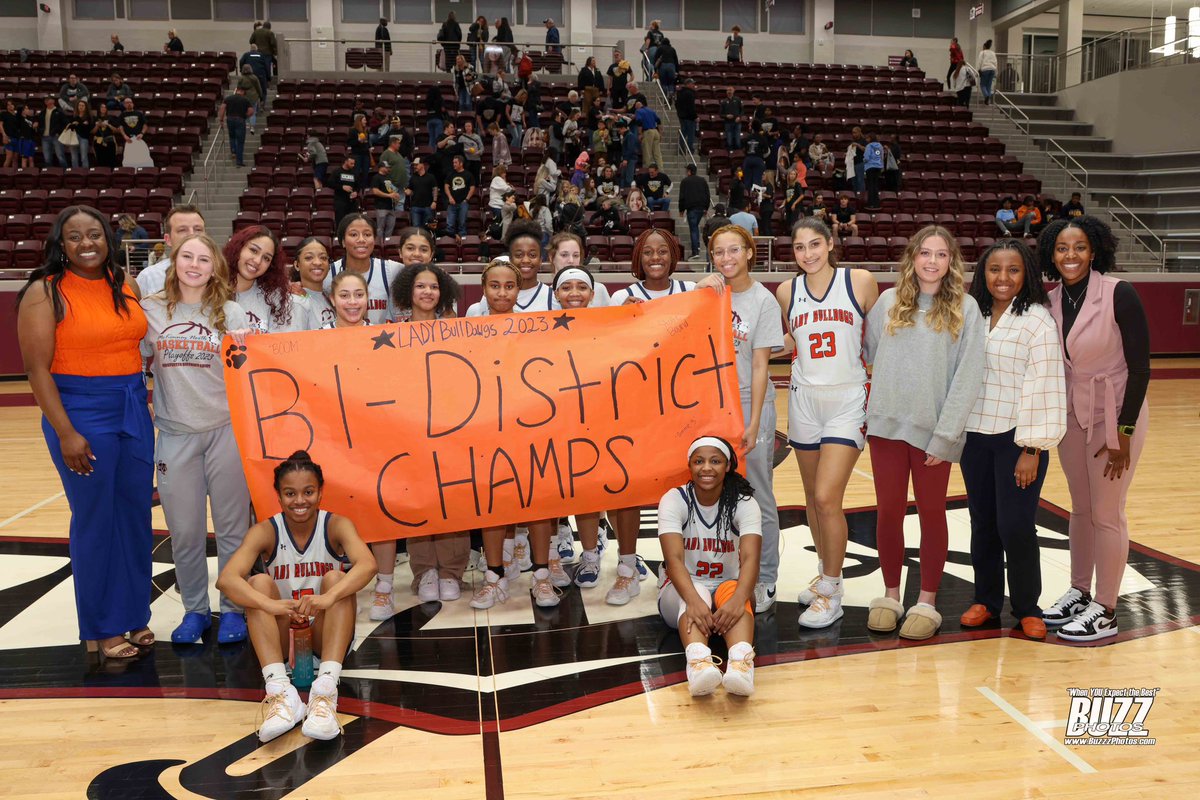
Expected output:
(231, 628)
(587, 574)
(193, 627)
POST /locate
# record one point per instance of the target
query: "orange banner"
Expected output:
(428, 427)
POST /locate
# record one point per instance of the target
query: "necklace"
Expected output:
(1072, 300)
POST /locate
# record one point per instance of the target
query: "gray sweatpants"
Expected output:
(192, 468)
(759, 468)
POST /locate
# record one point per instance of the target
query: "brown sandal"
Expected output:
(142, 637)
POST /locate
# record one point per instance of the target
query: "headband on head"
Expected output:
(574, 274)
(710, 441)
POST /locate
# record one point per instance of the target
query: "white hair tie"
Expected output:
(710, 441)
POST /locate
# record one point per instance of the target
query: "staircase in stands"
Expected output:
(225, 184)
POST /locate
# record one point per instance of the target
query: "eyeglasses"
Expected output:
(734, 251)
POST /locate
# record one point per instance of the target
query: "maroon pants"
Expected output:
(892, 462)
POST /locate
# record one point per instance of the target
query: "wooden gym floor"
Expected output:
(588, 701)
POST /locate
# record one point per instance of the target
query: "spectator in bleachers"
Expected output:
(798, 144)
(447, 148)
(435, 114)
(504, 35)
(956, 58)
(104, 142)
(260, 63)
(962, 81)
(385, 198)
(731, 117)
(174, 44)
(10, 133)
(893, 178)
(794, 193)
(182, 221)
(744, 219)
(858, 147)
(820, 211)
(249, 83)
(235, 111)
(844, 223)
(608, 217)
(630, 152)
(1030, 208)
(694, 199)
(450, 35)
(753, 164)
(497, 189)
(464, 80)
(539, 212)
(477, 36)
(650, 44)
(383, 41)
(647, 123)
(667, 68)
(545, 182)
(873, 161)
(766, 209)
(314, 153)
(460, 188)
(656, 186)
(345, 182)
(570, 213)
(501, 152)
(358, 142)
(422, 194)
(635, 96)
(735, 46)
(618, 85)
(512, 122)
(51, 123)
(685, 109)
(128, 230)
(589, 194)
(553, 38)
(820, 157)
(118, 90)
(395, 159)
(70, 92)
(908, 59)
(987, 71)
(737, 190)
(608, 186)
(488, 109)
(117, 47)
(580, 172)
(590, 82)
(1073, 208)
(81, 123)
(472, 145)
(1008, 221)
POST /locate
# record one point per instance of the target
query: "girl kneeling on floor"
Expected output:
(315, 564)
(711, 535)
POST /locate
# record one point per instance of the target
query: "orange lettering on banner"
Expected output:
(429, 427)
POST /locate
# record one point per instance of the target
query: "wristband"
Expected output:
(1125, 429)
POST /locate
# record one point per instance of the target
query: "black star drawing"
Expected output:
(563, 321)
(384, 339)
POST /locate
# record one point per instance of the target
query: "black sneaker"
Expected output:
(1093, 624)
(1066, 608)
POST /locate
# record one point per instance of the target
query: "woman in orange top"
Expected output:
(79, 326)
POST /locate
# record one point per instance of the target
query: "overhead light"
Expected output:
(1168, 47)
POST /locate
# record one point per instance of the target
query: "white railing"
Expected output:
(208, 166)
(1054, 151)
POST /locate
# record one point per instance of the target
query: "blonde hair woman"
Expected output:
(925, 338)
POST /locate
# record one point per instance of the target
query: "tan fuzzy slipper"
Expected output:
(921, 622)
(884, 614)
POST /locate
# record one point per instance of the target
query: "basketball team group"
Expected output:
(990, 376)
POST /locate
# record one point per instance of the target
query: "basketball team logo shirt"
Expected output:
(379, 295)
(709, 553)
(828, 331)
(298, 570)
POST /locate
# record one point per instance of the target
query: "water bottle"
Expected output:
(302, 662)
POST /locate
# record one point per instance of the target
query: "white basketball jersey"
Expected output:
(828, 332)
(379, 287)
(710, 558)
(640, 291)
(299, 571)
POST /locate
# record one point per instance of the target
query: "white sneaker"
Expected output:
(587, 574)
(280, 712)
(643, 569)
(739, 675)
(764, 597)
(543, 591)
(807, 594)
(1066, 608)
(512, 570)
(558, 575)
(449, 589)
(322, 721)
(382, 607)
(521, 554)
(476, 561)
(564, 543)
(703, 675)
(824, 610)
(427, 589)
(1093, 624)
(494, 589)
(602, 539)
(625, 588)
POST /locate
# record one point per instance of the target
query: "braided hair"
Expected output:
(734, 489)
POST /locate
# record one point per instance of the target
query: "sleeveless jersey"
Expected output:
(298, 572)
(828, 332)
(538, 297)
(709, 558)
(640, 291)
(379, 287)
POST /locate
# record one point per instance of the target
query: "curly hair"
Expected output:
(946, 314)
(274, 283)
(522, 227)
(1032, 291)
(1099, 236)
(636, 267)
(402, 288)
(217, 292)
(733, 489)
(54, 263)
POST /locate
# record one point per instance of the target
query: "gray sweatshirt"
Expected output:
(924, 384)
(189, 373)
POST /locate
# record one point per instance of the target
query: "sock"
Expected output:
(276, 678)
(739, 651)
(829, 586)
(509, 545)
(494, 573)
(541, 572)
(383, 582)
(594, 552)
(696, 651)
(629, 561)
(328, 675)
(820, 567)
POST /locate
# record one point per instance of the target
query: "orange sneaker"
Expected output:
(1033, 627)
(975, 616)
